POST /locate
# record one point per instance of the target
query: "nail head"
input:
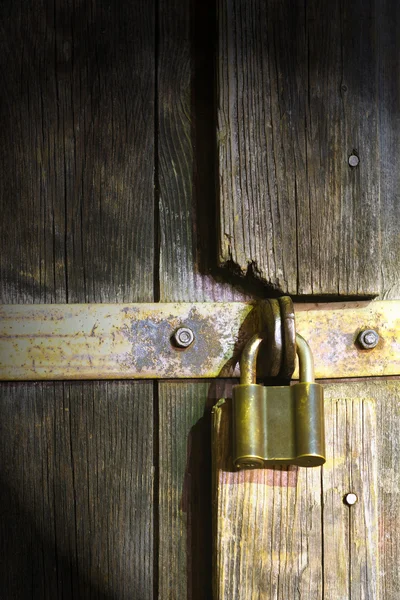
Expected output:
(353, 160)
(350, 499)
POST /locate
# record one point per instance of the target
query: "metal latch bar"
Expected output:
(138, 341)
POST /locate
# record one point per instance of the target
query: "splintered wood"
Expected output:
(288, 533)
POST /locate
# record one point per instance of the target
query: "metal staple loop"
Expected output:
(248, 361)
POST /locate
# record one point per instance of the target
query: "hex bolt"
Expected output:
(368, 339)
(350, 499)
(183, 337)
(353, 160)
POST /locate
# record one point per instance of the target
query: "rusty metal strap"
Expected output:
(136, 341)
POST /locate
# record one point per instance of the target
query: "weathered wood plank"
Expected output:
(351, 554)
(76, 197)
(185, 153)
(297, 95)
(388, 41)
(76, 158)
(327, 549)
(77, 482)
(267, 527)
(186, 187)
(388, 417)
(185, 486)
(185, 198)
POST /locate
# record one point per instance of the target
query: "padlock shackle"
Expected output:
(306, 360)
(248, 361)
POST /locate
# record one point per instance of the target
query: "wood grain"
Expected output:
(76, 158)
(388, 418)
(77, 483)
(297, 95)
(185, 508)
(267, 527)
(300, 539)
(185, 155)
(187, 237)
(351, 554)
(388, 41)
(76, 197)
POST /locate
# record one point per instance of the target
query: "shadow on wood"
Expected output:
(196, 503)
(31, 566)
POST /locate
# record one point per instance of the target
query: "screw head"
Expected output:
(368, 339)
(183, 337)
(353, 160)
(350, 499)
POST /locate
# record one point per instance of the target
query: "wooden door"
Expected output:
(107, 187)
(309, 202)
(77, 205)
(125, 177)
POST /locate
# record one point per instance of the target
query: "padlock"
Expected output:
(278, 425)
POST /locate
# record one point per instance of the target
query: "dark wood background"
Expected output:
(136, 167)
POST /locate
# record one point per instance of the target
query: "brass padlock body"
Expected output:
(278, 425)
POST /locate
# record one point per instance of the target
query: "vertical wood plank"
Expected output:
(185, 154)
(388, 417)
(267, 526)
(186, 189)
(77, 199)
(361, 543)
(76, 158)
(185, 507)
(77, 483)
(351, 532)
(388, 24)
(297, 95)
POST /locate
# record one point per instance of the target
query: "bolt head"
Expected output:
(353, 160)
(368, 339)
(350, 499)
(183, 337)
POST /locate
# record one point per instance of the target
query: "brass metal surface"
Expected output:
(100, 341)
(306, 360)
(278, 357)
(332, 329)
(113, 341)
(270, 356)
(277, 425)
(288, 336)
(248, 360)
